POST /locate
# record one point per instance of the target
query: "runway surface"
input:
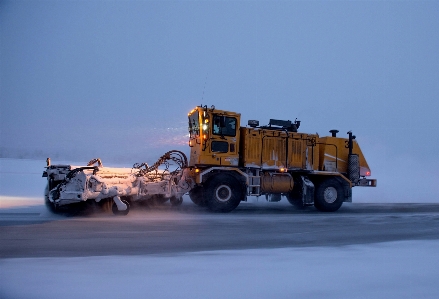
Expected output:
(34, 232)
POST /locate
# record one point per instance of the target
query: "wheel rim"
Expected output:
(223, 193)
(330, 195)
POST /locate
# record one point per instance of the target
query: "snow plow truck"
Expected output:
(227, 163)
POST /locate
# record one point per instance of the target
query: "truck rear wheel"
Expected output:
(329, 196)
(196, 195)
(223, 193)
(296, 200)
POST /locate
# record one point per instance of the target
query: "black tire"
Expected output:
(49, 205)
(295, 199)
(196, 195)
(73, 209)
(329, 195)
(157, 200)
(176, 201)
(223, 193)
(121, 213)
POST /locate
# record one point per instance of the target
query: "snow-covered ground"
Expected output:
(407, 269)
(386, 270)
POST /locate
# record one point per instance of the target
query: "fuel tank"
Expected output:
(276, 182)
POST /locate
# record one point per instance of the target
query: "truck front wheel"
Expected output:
(329, 196)
(223, 193)
(196, 195)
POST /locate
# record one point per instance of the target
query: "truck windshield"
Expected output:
(194, 125)
(227, 128)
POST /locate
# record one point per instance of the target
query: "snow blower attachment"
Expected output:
(68, 185)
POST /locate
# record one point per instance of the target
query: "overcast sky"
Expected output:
(116, 79)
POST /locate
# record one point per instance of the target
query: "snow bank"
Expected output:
(388, 270)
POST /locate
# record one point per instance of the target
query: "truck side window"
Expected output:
(229, 128)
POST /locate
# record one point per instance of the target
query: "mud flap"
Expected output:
(347, 193)
(307, 191)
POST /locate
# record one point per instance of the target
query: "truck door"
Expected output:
(224, 140)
